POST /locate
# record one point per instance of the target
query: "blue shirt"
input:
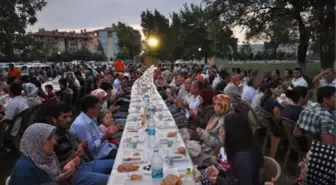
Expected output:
(86, 129)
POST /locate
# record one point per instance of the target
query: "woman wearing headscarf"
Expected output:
(38, 163)
(31, 94)
(212, 136)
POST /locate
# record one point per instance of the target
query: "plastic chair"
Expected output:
(270, 170)
(289, 126)
(275, 129)
(250, 115)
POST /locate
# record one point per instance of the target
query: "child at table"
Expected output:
(50, 91)
(107, 125)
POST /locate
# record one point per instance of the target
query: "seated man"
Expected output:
(68, 147)
(15, 106)
(65, 94)
(85, 127)
(319, 119)
(299, 96)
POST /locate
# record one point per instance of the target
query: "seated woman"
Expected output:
(31, 94)
(212, 135)
(244, 155)
(270, 103)
(199, 117)
(38, 163)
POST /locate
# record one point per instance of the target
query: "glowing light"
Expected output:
(153, 42)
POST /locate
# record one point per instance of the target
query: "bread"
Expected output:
(171, 134)
(136, 177)
(127, 168)
(171, 180)
(181, 150)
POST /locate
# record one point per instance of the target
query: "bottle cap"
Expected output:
(188, 172)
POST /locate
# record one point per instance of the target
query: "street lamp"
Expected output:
(199, 49)
(59, 53)
(152, 42)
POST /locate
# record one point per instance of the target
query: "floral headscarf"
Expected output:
(222, 104)
(31, 146)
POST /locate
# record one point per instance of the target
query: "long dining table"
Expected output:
(135, 129)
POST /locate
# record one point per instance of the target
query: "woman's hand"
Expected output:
(212, 173)
(199, 131)
(65, 175)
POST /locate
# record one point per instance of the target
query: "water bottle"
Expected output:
(188, 180)
(157, 165)
(151, 132)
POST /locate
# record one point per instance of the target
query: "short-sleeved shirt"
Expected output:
(14, 107)
(291, 112)
(317, 120)
(298, 82)
(324, 83)
(270, 104)
(14, 73)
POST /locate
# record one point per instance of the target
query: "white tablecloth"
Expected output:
(156, 100)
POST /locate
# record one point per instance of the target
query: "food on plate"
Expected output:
(127, 168)
(136, 177)
(181, 150)
(147, 168)
(136, 154)
(171, 134)
(171, 180)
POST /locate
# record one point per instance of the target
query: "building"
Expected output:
(108, 40)
(63, 41)
(71, 41)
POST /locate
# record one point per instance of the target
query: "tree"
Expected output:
(248, 12)
(128, 39)
(155, 24)
(279, 30)
(15, 16)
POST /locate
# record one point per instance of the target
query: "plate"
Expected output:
(135, 156)
(146, 169)
(135, 137)
(176, 157)
(118, 179)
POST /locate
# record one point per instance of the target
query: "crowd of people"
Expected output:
(75, 138)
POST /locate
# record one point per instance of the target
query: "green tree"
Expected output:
(155, 24)
(128, 39)
(308, 15)
(15, 16)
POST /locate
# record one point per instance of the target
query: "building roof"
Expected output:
(56, 33)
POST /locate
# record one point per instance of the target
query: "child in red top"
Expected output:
(50, 91)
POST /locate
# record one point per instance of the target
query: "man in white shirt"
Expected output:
(298, 79)
(15, 106)
(117, 82)
(325, 78)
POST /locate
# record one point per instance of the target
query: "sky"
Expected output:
(69, 15)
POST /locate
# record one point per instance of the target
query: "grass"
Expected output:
(312, 68)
